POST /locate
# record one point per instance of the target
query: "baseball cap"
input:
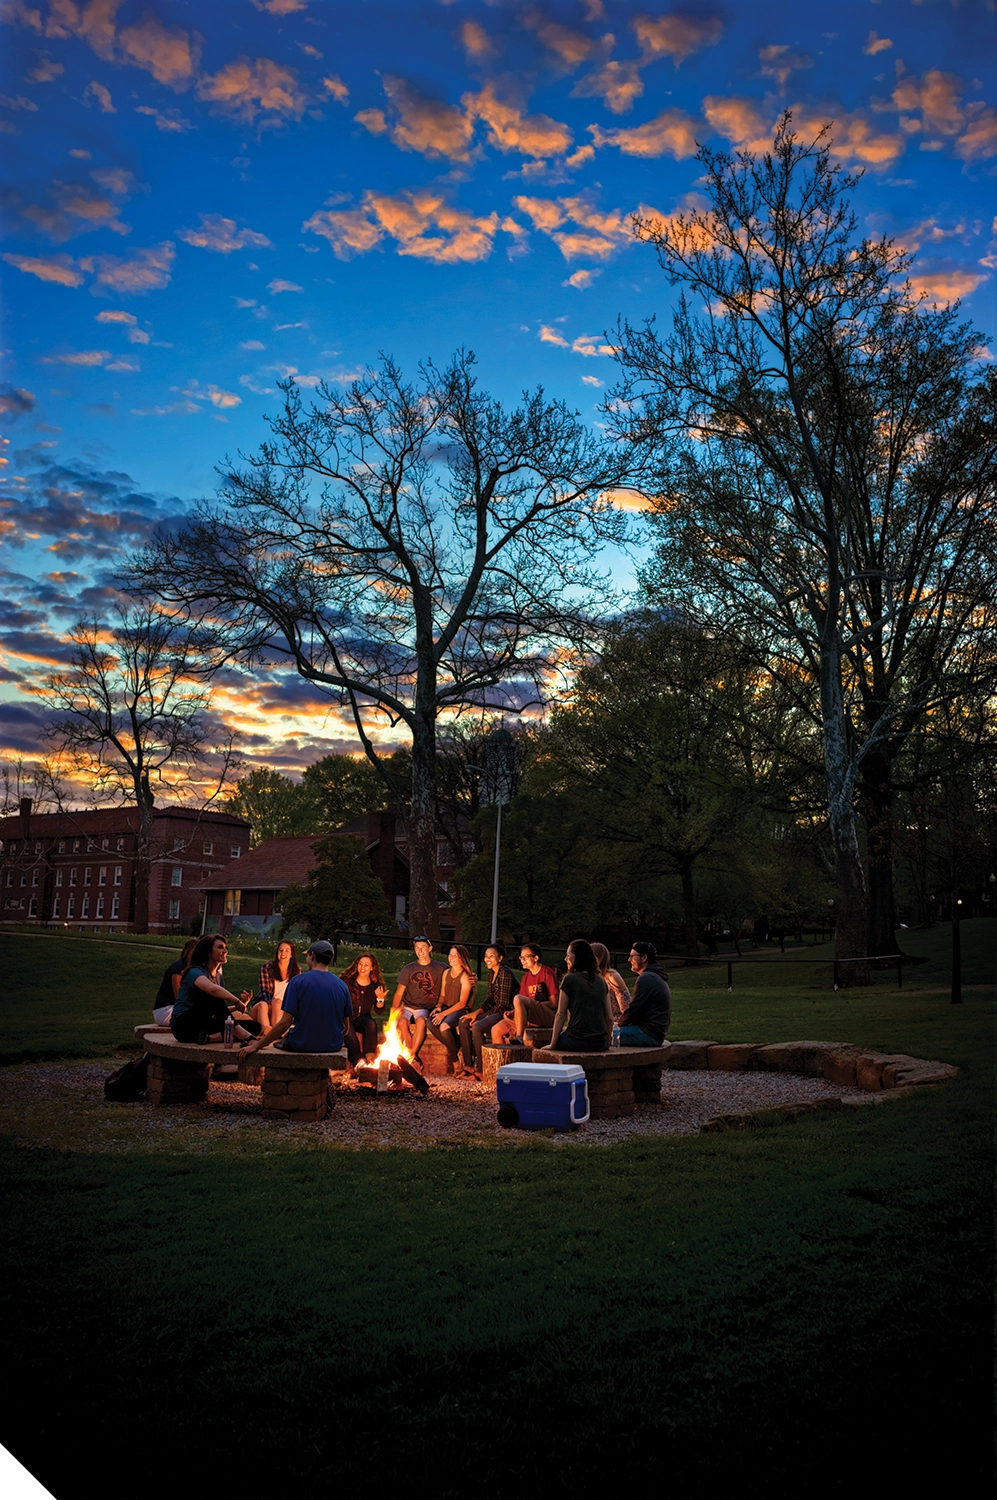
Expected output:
(422, 938)
(322, 951)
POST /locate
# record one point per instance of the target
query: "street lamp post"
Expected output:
(498, 783)
(956, 952)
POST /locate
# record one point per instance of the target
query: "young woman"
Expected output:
(475, 1025)
(274, 979)
(619, 995)
(584, 1020)
(203, 1006)
(367, 988)
(162, 1006)
(455, 996)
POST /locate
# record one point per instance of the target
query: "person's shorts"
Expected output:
(161, 1016)
(538, 1012)
(415, 1012)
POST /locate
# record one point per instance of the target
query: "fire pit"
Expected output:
(391, 1069)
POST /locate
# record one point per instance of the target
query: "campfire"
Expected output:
(391, 1069)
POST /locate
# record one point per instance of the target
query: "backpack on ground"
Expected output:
(127, 1084)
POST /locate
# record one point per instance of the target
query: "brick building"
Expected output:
(76, 869)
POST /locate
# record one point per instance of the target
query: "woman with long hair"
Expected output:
(203, 1006)
(456, 990)
(619, 994)
(169, 985)
(275, 976)
(584, 1019)
(367, 988)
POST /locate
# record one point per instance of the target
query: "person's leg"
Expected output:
(446, 1035)
(504, 1032)
(366, 1029)
(482, 1028)
(636, 1036)
(404, 1030)
(466, 1044)
(418, 1036)
(261, 1013)
(352, 1048)
(520, 1014)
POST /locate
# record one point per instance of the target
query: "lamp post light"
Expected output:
(498, 783)
(956, 953)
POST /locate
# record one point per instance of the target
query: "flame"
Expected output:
(392, 1046)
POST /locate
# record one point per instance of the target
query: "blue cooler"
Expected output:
(542, 1096)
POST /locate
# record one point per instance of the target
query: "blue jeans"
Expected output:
(568, 1043)
(636, 1036)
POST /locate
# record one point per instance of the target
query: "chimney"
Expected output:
(25, 813)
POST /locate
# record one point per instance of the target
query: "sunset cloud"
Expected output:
(739, 120)
(101, 96)
(852, 139)
(595, 234)
(588, 344)
(45, 69)
(75, 208)
(221, 235)
(280, 285)
(60, 269)
(875, 44)
(932, 106)
(675, 36)
(128, 321)
(85, 357)
(672, 133)
(945, 281)
(617, 84)
(170, 54)
(144, 271)
(780, 62)
(510, 130)
(476, 42)
(429, 126)
(336, 89)
(581, 279)
(172, 122)
(422, 223)
(244, 89)
(569, 46)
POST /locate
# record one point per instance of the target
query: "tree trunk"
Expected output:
(420, 825)
(851, 929)
(145, 803)
(688, 909)
(877, 807)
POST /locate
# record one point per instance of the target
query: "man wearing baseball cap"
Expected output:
(315, 1008)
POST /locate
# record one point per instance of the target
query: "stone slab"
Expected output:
(689, 1056)
(916, 1070)
(734, 1057)
(165, 1044)
(613, 1057)
(805, 1058)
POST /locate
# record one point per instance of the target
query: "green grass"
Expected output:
(800, 1310)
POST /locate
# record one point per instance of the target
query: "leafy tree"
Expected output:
(275, 805)
(342, 890)
(131, 721)
(410, 549)
(823, 447)
(344, 787)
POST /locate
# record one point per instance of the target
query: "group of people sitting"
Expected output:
(314, 1010)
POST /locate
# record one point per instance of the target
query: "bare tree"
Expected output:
(411, 549)
(130, 721)
(824, 450)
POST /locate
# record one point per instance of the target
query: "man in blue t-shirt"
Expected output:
(315, 1008)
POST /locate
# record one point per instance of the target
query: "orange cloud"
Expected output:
(548, 335)
(875, 44)
(79, 209)
(85, 357)
(244, 89)
(937, 96)
(596, 234)
(336, 88)
(221, 235)
(429, 126)
(128, 321)
(60, 269)
(170, 54)
(102, 95)
(980, 136)
(476, 42)
(780, 61)
(851, 137)
(674, 36)
(510, 130)
(146, 270)
(172, 122)
(945, 281)
(617, 84)
(739, 120)
(572, 47)
(581, 279)
(422, 223)
(672, 133)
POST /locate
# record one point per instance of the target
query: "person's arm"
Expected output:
(399, 997)
(284, 1024)
(175, 981)
(562, 1011)
(202, 982)
(610, 1018)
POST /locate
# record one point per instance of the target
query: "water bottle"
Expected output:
(229, 1031)
(616, 1036)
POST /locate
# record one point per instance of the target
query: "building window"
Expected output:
(10, 877)
(117, 874)
(236, 851)
(55, 905)
(205, 874)
(233, 903)
(33, 907)
(87, 874)
(62, 846)
(72, 876)
(76, 846)
(177, 877)
(177, 844)
(209, 849)
(58, 877)
(38, 846)
(120, 845)
(85, 907)
(102, 875)
(24, 877)
(70, 905)
(100, 906)
(34, 877)
(174, 910)
(115, 906)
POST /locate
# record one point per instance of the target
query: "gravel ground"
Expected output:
(62, 1105)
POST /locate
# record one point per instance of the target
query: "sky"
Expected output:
(200, 199)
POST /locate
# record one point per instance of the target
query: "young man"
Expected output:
(536, 1003)
(478, 1024)
(417, 994)
(646, 1022)
(316, 1005)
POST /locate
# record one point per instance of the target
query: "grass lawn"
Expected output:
(797, 1310)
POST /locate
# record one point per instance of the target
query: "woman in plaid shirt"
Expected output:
(477, 1024)
(274, 978)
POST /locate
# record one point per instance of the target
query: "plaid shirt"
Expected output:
(501, 990)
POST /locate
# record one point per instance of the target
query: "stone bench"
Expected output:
(295, 1084)
(618, 1079)
(836, 1062)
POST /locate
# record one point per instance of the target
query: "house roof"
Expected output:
(269, 867)
(107, 820)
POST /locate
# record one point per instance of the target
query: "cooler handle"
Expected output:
(577, 1083)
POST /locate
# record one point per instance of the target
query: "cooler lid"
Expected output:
(540, 1072)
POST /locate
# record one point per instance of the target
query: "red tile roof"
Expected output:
(269, 867)
(107, 820)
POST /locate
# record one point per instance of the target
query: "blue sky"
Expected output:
(199, 199)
